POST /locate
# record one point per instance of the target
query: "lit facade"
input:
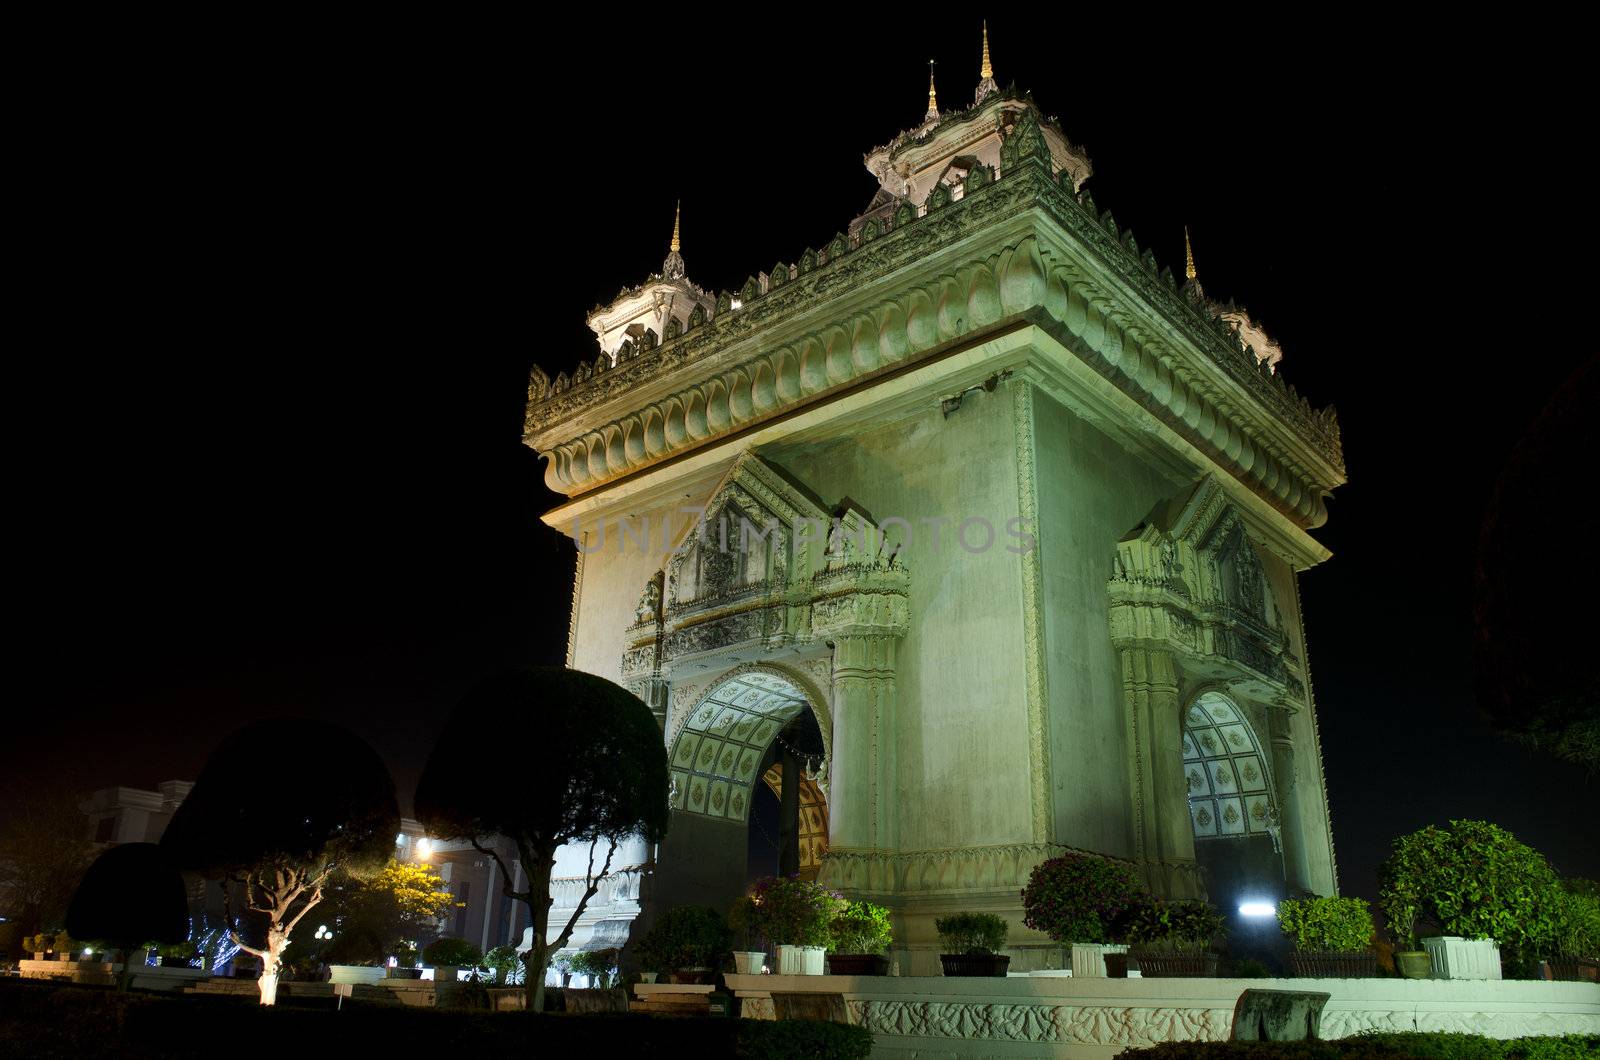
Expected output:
(1054, 605)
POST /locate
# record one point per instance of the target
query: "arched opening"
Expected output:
(1235, 817)
(1231, 804)
(733, 815)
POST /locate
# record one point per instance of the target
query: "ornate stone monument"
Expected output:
(1011, 511)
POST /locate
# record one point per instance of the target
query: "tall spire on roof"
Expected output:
(673, 269)
(1191, 276)
(933, 97)
(986, 82)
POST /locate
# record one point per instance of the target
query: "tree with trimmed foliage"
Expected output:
(600, 777)
(1080, 897)
(275, 842)
(131, 896)
(1473, 879)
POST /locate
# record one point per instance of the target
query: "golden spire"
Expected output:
(933, 98)
(1188, 255)
(987, 73)
(676, 214)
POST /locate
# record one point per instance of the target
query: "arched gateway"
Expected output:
(769, 605)
(1099, 500)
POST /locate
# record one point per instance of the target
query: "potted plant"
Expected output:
(177, 954)
(1080, 900)
(1575, 935)
(1174, 938)
(449, 956)
(505, 964)
(861, 935)
(742, 920)
(797, 915)
(690, 942)
(405, 962)
(1484, 889)
(1332, 937)
(648, 954)
(971, 944)
(600, 966)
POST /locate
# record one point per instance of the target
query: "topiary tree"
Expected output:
(132, 895)
(453, 952)
(277, 844)
(1475, 880)
(1079, 897)
(600, 777)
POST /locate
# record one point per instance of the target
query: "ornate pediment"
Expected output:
(768, 565)
(1190, 577)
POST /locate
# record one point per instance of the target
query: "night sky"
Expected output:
(286, 302)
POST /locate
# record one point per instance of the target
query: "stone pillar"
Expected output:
(1163, 833)
(1285, 776)
(861, 778)
(789, 814)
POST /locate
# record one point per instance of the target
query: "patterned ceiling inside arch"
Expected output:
(1227, 774)
(716, 756)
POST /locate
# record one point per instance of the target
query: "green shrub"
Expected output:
(975, 933)
(793, 912)
(1180, 926)
(689, 936)
(1080, 897)
(506, 964)
(599, 965)
(1474, 879)
(802, 1040)
(861, 927)
(1343, 925)
(458, 953)
(1574, 922)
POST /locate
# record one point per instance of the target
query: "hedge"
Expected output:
(48, 1021)
(1411, 1046)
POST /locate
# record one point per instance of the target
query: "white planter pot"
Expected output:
(802, 960)
(1459, 958)
(749, 962)
(356, 973)
(1089, 958)
(647, 977)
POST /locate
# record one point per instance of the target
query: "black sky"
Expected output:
(284, 299)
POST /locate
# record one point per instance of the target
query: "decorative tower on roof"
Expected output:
(933, 99)
(977, 507)
(1252, 335)
(642, 317)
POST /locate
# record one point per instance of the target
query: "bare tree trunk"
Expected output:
(539, 916)
(272, 964)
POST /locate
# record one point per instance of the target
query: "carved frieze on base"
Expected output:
(959, 869)
(1068, 1024)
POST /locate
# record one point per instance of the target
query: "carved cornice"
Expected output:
(864, 313)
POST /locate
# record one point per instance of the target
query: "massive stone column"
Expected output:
(861, 814)
(1163, 834)
(1285, 773)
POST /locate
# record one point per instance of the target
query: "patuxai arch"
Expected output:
(1007, 510)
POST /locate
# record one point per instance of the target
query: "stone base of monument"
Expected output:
(1057, 1016)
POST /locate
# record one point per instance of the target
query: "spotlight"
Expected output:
(1258, 909)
